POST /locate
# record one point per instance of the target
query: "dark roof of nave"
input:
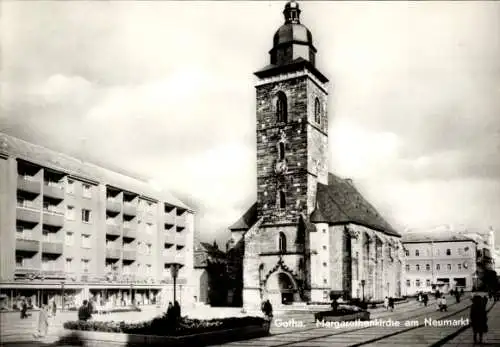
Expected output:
(212, 250)
(203, 251)
(294, 65)
(247, 220)
(435, 236)
(340, 202)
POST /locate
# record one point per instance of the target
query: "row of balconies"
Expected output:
(116, 253)
(178, 221)
(33, 246)
(174, 238)
(57, 247)
(117, 206)
(30, 212)
(56, 190)
(33, 185)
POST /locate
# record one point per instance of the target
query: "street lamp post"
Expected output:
(432, 263)
(363, 282)
(130, 294)
(174, 271)
(62, 296)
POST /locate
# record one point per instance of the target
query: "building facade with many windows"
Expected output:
(438, 261)
(71, 230)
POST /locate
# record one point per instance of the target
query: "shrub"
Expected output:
(160, 326)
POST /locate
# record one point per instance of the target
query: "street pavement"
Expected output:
(295, 328)
(492, 338)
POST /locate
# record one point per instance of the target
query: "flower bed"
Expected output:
(111, 310)
(190, 332)
(159, 326)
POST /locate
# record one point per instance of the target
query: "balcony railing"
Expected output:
(25, 212)
(180, 221)
(53, 190)
(53, 216)
(180, 239)
(129, 233)
(113, 229)
(130, 208)
(169, 219)
(53, 210)
(25, 235)
(28, 184)
(129, 225)
(169, 237)
(173, 257)
(129, 255)
(28, 245)
(113, 205)
(113, 253)
(52, 247)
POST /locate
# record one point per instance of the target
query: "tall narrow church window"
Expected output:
(261, 272)
(282, 199)
(282, 243)
(317, 111)
(357, 266)
(281, 149)
(281, 108)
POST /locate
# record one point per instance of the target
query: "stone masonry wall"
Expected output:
(319, 256)
(269, 134)
(336, 263)
(317, 139)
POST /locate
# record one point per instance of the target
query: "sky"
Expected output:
(165, 90)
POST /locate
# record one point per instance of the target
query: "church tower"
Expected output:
(309, 232)
(292, 125)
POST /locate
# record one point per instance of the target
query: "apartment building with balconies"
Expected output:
(71, 230)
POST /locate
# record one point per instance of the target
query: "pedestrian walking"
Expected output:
(54, 308)
(478, 318)
(267, 309)
(442, 304)
(24, 309)
(386, 303)
(391, 303)
(426, 299)
(43, 322)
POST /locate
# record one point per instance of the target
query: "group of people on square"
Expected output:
(423, 298)
(389, 303)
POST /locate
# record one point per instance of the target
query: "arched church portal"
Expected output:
(281, 288)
